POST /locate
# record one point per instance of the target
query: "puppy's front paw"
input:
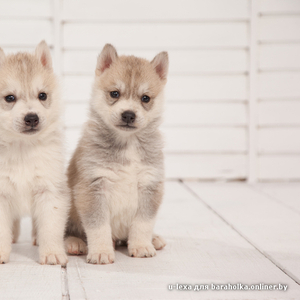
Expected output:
(101, 257)
(75, 246)
(158, 242)
(141, 250)
(4, 257)
(54, 259)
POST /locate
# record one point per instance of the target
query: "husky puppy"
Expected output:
(116, 174)
(32, 178)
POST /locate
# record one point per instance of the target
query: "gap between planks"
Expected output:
(64, 284)
(266, 255)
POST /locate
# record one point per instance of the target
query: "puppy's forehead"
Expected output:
(18, 68)
(22, 64)
(135, 71)
(133, 77)
(22, 73)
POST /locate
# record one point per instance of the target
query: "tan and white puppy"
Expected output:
(32, 178)
(116, 174)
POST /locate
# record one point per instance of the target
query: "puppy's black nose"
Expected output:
(128, 116)
(31, 120)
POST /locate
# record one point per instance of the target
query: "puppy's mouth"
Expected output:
(126, 127)
(30, 131)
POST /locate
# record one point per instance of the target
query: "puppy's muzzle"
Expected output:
(128, 117)
(31, 120)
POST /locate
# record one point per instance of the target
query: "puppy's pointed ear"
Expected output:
(161, 64)
(107, 56)
(2, 56)
(42, 52)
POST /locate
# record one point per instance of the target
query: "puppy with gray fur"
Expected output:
(116, 174)
(32, 176)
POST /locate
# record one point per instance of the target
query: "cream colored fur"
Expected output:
(32, 177)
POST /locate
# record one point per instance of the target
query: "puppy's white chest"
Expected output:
(17, 172)
(123, 193)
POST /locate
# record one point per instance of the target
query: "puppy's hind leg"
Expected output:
(16, 230)
(75, 246)
(158, 242)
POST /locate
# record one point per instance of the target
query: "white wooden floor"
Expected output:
(216, 233)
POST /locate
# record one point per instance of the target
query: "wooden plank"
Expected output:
(189, 140)
(286, 193)
(205, 114)
(279, 28)
(279, 57)
(270, 229)
(216, 140)
(279, 85)
(204, 248)
(279, 167)
(179, 88)
(153, 36)
(279, 6)
(25, 33)
(178, 114)
(25, 9)
(182, 61)
(23, 277)
(279, 140)
(276, 113)
(206, 166)
(156, 10)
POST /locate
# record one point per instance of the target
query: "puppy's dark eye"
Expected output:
(10, 98)
(115, 94)
(145, 99)
(42, 96)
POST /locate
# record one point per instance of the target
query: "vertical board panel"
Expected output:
(253, 94)
(279, 64)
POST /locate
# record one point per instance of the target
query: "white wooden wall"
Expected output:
(234, 74)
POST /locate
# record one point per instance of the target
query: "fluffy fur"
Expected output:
(116, 174)
(32, 178)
